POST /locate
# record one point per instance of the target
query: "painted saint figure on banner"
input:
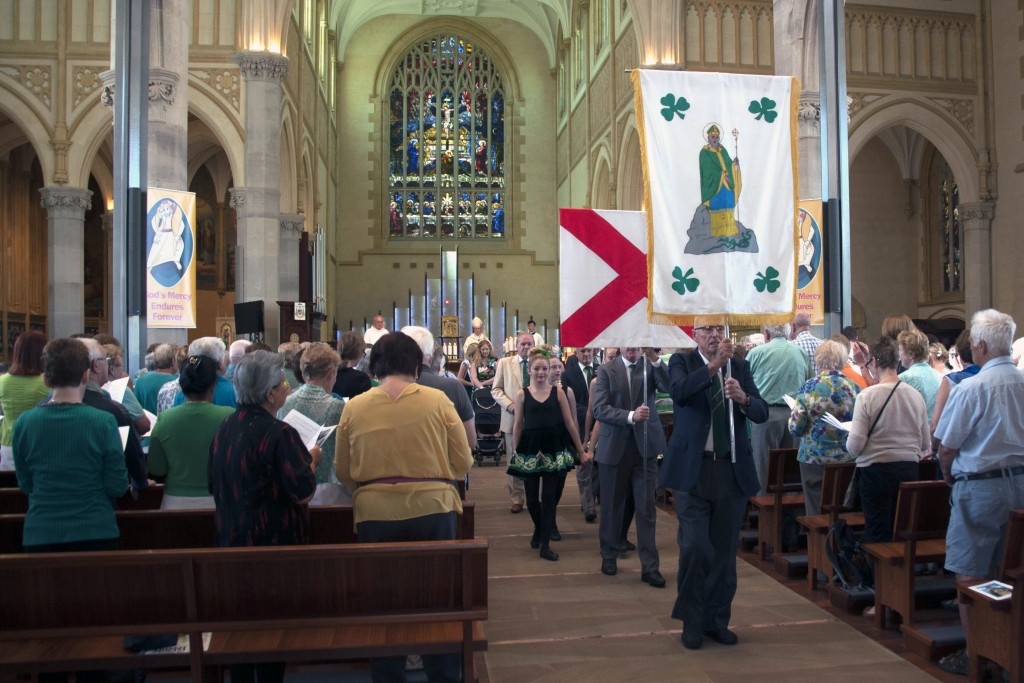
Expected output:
(714, 227)
(171, 243)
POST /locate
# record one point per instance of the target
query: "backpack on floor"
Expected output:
(850, 563)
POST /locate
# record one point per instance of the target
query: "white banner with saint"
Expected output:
(170, 258)
(722, 233)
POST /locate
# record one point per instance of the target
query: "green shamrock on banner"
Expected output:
(684, 283)
(768, 280)
(765, 108)
(674, 107)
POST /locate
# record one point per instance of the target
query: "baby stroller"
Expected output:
(489, 441)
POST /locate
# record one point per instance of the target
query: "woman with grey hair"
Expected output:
(261, 475)
(318, 366)
(820, 443)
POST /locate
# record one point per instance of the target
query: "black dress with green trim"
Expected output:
(545, 446)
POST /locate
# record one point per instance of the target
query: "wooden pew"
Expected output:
(171, 529)
(13, 501)
(8, 479)
(68, 611)
(996, 627)
(919, 535)
(784, 492)
(834, 483)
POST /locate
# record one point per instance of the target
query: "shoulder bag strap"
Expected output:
(877, 417)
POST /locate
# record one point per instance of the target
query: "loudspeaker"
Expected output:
(249, 317)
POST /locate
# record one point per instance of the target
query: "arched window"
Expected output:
(446, 175)
(950, 232)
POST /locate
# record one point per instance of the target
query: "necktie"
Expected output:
(526, 374)
(634, 378)
(719, 419)
(586, 374)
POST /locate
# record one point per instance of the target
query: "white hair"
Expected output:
(211, 347)
(423, 338)
(995, 329)
(238, 348)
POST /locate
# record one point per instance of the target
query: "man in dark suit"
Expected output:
(579, 370)
(709, 489)
(630, 443)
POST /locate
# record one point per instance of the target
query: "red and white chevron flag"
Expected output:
(602, 279)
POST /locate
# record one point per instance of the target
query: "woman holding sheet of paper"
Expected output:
(319, 367)
(179, 447)
(830, 392)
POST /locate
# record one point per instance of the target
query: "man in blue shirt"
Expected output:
(981, 432)
(223, 390)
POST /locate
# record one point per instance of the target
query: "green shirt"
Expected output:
(148, 387)
(179, 447)
(778, 368)
(18, 393)
(70, 463)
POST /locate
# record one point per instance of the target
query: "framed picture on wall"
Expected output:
(226, 330)
(450, 326)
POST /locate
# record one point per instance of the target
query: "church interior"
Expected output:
(409, 158)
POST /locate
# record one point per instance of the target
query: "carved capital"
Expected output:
(163, 86)
(65, 202)
(237, 201)
(808, 116)
(262, 66)
(977, 215)
(292, 225)
(107, 91)
(464, 7)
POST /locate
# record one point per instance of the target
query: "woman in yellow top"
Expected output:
(21, 389)
(400, 448)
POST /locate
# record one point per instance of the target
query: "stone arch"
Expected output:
(225, 127)
(932, 123)
(601, 187)
(35, 131)
(630, 185)
(288, 179)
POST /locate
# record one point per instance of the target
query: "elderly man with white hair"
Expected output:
(214, 349)
(235, 353)
(981, 436)
(429, 377)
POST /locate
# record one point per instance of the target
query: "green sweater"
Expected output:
(18, 393)
(70, 463)
(179, 447)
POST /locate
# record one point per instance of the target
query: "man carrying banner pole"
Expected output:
(710, 479)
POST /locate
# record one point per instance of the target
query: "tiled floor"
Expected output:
(565, 621)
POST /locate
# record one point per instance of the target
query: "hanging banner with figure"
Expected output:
(810, 297)
(722, 231)
(602, 282)
(170, 262)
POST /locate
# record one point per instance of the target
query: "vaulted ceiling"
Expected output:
(542, 17)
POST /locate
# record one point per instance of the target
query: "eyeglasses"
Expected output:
(710, 329)
(110, 360)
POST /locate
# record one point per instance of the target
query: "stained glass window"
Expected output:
(446, 159)
(951, 234)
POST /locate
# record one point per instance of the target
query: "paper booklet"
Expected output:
(831, 419)
(152, 422)
(116, 389)
(181, 647)
(309, 431)
(997, 590)
(790, 401)
(124, 436)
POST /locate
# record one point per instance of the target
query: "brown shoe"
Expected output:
(517, 508)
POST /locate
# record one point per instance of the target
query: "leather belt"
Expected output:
(777, 405)
(991, 474)
(711, 455)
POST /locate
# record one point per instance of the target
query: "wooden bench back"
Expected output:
(1013, 548)
(922, 511)
(8, 479)
(170, 529)
(783, 471)
(834, 482)
(13, 501)
(270, 587)
(110, 593)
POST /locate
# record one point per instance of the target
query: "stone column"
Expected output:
(809, 145)
(167, 167)
(65, 223)
(976, 265)
(288, 261)
(108, 265)
(259, 213)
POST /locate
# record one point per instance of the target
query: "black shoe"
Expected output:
(653, 578)
(609, 567)
(549, 554)
(956, 663)
(722, 635)
(626, 546)
(535, 542)
(590, 517)
(556, 535)
(693, 639)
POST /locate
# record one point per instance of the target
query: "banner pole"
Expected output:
(732, 418)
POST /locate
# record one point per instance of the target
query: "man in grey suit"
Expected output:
(627, 452)
(510, 375)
